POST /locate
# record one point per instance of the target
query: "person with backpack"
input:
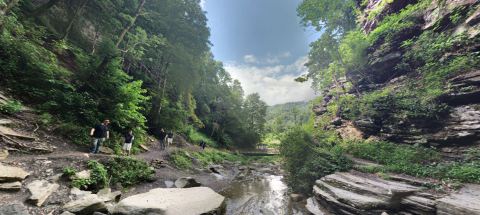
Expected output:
(99, 134)
(169, 138)
(163, 136)
(127, 145)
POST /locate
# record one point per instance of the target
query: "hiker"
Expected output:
(163, 135)
(169, 138)
(127, 145)
(203, 144)
(99, 133)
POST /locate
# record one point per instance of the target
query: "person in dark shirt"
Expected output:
(99, 133)
(203, 144)
(127, 145)
(163, 135)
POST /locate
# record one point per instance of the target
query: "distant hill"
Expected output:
(282, 116)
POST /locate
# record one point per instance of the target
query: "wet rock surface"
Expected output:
(196, 200)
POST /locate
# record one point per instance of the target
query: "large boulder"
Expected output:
(172, 201)
(10, 173)
(186, 182)
(86, 204)
(465, 201)
(40, 190)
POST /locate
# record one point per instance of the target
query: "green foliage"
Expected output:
(306, 162)
(11, 107)
(330, 16)
(46, 119)
(196, 137)
(82, 183)
(129, 171)
(69, 171)
(284, 116)
(378, 9)
(78, 134)
(396, 23)
(353, 50)
(87, 77)
(215, 156)
(181, 159)
(99, 174)
(415, 161)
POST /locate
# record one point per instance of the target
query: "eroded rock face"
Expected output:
(369, 23)
(365, 194)
(172, 201)
(355, 193)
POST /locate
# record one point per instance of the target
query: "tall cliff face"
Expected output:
(421, 80)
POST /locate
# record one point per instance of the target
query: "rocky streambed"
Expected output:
(36, 186)
(348, 193)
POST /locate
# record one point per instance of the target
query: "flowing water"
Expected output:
(263, 195)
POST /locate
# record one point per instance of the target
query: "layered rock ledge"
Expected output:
(348, 193)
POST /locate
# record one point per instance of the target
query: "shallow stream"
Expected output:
(267, 194)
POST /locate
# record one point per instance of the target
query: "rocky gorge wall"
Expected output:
(421, 80)
(419, 85)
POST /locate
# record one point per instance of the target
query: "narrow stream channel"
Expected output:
(263, 195)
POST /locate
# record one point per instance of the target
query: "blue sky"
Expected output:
(263, 45)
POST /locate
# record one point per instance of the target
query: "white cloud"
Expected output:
(274, 83)
(202, 4)
(268, 60)
(250, 58)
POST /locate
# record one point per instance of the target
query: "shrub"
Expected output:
(46, 119)
(11, 107)
(77, 134)
(415, 161)
(398, 22)
(306, 162)
(196, 137)
(129, 171)
(181, 159)
(99, 175)
(214, 156)
(69, 171)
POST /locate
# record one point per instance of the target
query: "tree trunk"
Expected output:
(125, 30)
(75, 16)
(95, 40)
(43, 8)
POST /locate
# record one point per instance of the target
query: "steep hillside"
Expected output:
(420, 81)
(145, 65)
(400, 102)
(283, 116)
